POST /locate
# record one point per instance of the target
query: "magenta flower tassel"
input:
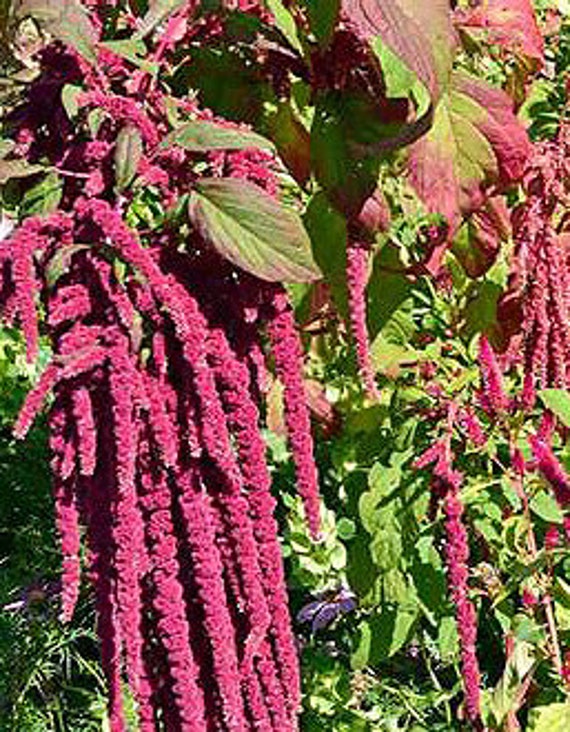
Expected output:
(494, 395)
(552, 470)
(208, 576)
(243, 419)
(357, 256)
(168, 595)
(457, 556)
(286, 350)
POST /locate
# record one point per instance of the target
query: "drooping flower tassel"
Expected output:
(357, 258)
(208, 578)
(457, 558)
(286, 350)
(243, 419)
(66, 514)
(168, 593)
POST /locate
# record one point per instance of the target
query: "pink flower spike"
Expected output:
(492, 377)
(552, 470)
(357, 256)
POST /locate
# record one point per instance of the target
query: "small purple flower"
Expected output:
(327, 608)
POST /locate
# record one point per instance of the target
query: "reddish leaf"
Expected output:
(419, 33)
(475, 142)
(508, 23)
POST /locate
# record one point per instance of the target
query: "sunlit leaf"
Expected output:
(558, 401)
(419, 33)
(475, 141)
(18, 169)
(253, 230)
(550, 718)
(202, 136)
(128, 152)
(67, 20)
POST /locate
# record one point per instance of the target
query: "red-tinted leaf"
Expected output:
(508, 23)
(475, 141)
(419, 33)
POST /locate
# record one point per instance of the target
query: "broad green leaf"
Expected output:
(481, 310)
(291, 139)
(128, 152)
(6, 147)
(69, 99)
(202, 136)
(327, 229)
(348, 176)
(44, 197)
(400, 81)
(387, 290)
(18, 169)
(558, 401)
(133, 50)
(545, 506)
(323, 17)
(550, 718)
(285, 22)
(67, 20)
(253, 230)
(382, 635)
(447, 638)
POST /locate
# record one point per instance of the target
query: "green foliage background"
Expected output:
(392, 664)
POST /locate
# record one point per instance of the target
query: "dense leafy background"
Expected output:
(391, 663)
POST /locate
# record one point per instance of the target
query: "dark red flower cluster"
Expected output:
(541, 276)
(157, 344)
(446, 490)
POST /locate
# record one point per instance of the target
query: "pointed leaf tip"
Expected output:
(253, 230)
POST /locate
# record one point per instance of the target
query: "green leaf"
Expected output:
(323, 17)
(203, 136)
(133, 50)
(158, 12)
(558, 401)
(253, 230)
(44, 197)
(69, 95)
(386, 291)
(67, 20)
(419, 33)
(128, 152)
(285, 22)
(382, 635)
(545, 506)
(327, 229)
(18, 169)
(447, 638)
(549, 718)
(346, 529)
(291, 139)
(348, 177)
